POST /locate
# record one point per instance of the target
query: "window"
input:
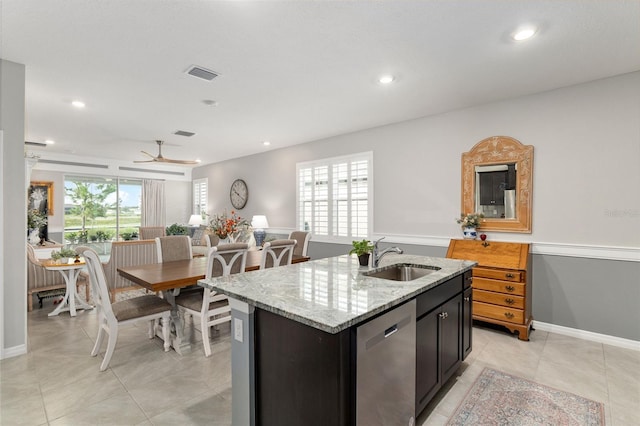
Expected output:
(334, 197)
(200, 196)
(98, 209)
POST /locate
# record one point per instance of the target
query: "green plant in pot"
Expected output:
(63, 255)
(176, 229)
(362, 249)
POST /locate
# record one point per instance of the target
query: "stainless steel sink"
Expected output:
(402, 271)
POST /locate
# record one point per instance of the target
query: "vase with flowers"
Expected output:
(228, 227)
(469, 222)
(36, 219)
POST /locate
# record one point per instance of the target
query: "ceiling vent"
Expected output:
(73, 163)
(184, 133)
(202, 73)
(40, 144)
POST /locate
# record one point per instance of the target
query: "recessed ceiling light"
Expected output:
(386, 79)
(78, 104)
(210, 103)
(524, 34)
(266, 143)
(49, 142)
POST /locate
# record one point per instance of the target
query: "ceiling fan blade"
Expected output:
(145, 152)
(145, 161)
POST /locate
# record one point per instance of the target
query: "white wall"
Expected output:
(586, 142)
(178, 198)
(13, 337)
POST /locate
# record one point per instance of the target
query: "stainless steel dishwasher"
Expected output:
(386, 368)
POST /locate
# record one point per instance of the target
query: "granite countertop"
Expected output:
(332, 294)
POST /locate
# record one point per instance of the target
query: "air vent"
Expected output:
(137, 169)
(40, 144)
(72, 163)
(202, 73)
(184, 133)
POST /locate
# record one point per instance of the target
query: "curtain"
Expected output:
(153, 204)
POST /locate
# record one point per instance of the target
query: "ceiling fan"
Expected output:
(160, 159)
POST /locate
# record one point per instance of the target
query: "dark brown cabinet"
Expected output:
(443, 337)
(467, 321)
(492, 186)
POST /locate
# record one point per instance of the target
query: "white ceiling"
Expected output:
(290, 71)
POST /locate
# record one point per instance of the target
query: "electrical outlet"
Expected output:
(237, 329)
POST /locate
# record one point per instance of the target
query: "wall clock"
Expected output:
(239, 193)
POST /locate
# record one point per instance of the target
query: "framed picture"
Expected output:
(40, 197)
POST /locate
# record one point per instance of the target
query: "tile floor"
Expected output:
(58, 382)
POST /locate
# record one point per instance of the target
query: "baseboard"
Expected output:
(14, 351)
(588, 335)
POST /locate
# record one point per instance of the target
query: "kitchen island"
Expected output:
(304, 350)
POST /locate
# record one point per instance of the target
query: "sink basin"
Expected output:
(401, 272)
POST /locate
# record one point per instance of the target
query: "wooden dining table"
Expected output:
(170, 277)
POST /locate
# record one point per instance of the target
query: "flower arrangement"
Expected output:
(470, 220)
(63, 254)
(227, 226)
(36, 219)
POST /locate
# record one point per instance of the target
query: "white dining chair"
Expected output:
(174, 247)
(112, 315)
(277, 253)
(302, 245)
(210, 307)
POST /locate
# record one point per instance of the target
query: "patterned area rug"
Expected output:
(498, 398)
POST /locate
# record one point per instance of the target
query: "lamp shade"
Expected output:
(259, 222)
(195, 220)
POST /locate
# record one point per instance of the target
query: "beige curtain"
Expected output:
(153, 204)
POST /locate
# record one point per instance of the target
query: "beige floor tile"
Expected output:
(210, 410)
(22, 406)
(588, 383)
(118, 410)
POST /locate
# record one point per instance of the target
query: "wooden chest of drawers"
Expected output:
(501, 282)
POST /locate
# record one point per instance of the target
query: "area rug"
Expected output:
(497, 398)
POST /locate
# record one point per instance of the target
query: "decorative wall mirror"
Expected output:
(497, 178)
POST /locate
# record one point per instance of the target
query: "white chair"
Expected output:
(213, 308)
(174, 247)
(302, 237)
(112, 315)
(277, 253)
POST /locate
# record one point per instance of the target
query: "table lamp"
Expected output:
(195, 220)
(259, 223)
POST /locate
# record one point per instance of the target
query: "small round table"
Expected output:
(70, 272)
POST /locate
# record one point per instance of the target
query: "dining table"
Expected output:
(169, 277)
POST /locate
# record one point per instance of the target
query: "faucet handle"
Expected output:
(375, 243)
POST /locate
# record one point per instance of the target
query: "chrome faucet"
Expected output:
(378, 255)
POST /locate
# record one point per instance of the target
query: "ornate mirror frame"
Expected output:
(497, 150)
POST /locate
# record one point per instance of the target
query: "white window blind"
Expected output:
(200, 196)
(335, 197)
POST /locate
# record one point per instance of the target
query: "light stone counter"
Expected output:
(332, 294)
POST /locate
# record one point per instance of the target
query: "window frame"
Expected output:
(329, 163)
(195, 182)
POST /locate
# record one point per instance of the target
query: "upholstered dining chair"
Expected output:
(112, 315)
(213, 308)
(277, 253)
(302, 245)
(151, 232)
(174, 247)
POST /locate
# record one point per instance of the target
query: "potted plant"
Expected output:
(362, 249)
(63, 255)
(469, 223)
(177, 229)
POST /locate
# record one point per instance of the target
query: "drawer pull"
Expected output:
(443, 315)
(510, 288)
(510, 275)
(508, 315)
(509, 301)
(467, 299)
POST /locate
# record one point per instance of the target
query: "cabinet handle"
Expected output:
(510, 275)
(467, 299)
(509, 301)
(510, 288)
(508, 315)
(443, 315)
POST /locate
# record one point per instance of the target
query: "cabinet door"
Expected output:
(467, 321)
(450, 325)
(428, 378)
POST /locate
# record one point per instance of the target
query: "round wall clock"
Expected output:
(239, 193)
